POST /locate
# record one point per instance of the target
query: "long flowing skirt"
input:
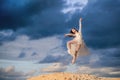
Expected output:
(83, 51)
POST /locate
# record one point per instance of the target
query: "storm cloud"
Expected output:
(102, 21)
(42, 18)
(9, 73)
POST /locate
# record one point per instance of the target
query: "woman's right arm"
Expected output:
(70, 35)
(80, 24)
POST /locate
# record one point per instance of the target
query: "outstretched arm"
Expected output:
(80, 24)
(69, 35)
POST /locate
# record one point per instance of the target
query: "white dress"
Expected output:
(83, 49)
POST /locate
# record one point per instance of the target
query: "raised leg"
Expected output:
(69, 45)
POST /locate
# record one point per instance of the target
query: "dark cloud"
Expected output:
(109, 59)
(9, 73)
(15, 14)
(39, 18)
(102, 21)
(102, 58)
(6, 35)
(42, 18)
(22, 55)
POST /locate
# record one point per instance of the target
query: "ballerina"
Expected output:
(76, 46)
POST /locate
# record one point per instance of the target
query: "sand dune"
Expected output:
(69, 76)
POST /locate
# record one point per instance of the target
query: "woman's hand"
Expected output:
(66, 35)
(70, 35)
(80, 19)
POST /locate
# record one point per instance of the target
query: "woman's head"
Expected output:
(73, 31)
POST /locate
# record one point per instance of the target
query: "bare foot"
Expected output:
(73, 60)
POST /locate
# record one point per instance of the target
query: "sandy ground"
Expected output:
(69, 76)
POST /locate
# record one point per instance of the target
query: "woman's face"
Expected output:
(73, 30)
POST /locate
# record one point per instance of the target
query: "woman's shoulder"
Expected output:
(78, 32)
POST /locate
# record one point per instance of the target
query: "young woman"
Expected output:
(75, 46)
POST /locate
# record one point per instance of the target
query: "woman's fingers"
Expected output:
(65, 35)
(80, 19)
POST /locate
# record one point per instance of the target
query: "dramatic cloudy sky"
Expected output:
(32, 38)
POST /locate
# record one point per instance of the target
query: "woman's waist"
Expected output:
(77, 38)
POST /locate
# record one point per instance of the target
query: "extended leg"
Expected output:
(75, 55)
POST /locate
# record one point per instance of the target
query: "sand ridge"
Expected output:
(69, 76)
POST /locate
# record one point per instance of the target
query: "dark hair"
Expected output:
(71, 30)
